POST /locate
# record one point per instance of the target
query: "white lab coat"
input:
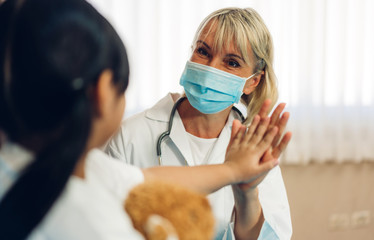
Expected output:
(135, 143)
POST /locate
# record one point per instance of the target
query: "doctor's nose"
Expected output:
(215, 62)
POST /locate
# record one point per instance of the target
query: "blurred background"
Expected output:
(324, 61)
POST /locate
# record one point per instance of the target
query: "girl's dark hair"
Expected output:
(51, 55)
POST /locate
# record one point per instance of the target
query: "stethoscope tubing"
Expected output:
(167, 132)
(171, 117)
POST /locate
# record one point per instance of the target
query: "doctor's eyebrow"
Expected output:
(204, 43)
(234, 55)
(227, 55)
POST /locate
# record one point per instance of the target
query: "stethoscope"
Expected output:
(167, 132)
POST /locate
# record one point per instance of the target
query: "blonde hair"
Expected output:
(243, 27)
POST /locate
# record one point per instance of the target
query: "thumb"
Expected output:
(236, 126)
(268, 165)
(267, 156)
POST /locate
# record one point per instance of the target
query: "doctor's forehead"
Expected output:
(222, 39)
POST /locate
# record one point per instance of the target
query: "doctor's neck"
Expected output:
(200, 124)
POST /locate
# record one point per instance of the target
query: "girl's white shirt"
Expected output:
(90, 208)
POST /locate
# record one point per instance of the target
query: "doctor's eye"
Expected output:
(233, 63)
(202, 52)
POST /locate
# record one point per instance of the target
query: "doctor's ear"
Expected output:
(251, 84)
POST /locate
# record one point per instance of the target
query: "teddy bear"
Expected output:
(165, 211)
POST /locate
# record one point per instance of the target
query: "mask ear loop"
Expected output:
(260, 67)
(254, 74)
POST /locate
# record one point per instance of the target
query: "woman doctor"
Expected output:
(231, 60)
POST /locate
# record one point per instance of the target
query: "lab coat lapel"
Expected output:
(161, 112)
(178, 135)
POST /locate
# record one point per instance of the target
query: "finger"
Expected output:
(260, 131)
(265, 108)
(277, 151)
(267, 155)
(268, 165)
(238, 137)
(252, 128)
(236, 125)
(268, 139)
(276, 113)
(281, 125)
(283, 121)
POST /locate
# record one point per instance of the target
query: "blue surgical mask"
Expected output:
(209, 89)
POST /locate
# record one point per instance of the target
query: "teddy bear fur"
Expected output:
(162, 210)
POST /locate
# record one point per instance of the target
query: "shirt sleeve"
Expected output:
(267, 233)
(227, 234)
(275, 207)
(117, 176)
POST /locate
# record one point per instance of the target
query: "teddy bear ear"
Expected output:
(159, 228)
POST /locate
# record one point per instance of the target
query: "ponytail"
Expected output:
(42, 182)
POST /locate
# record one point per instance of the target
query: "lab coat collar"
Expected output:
(161, 112)
(162, 109)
